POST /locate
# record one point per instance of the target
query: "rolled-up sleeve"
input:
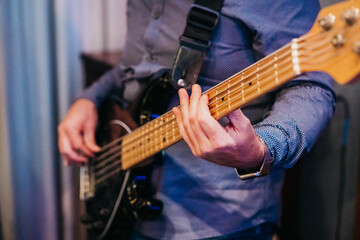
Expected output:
(303, 108)
(300, 113)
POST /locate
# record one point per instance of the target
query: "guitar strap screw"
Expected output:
(181, 82)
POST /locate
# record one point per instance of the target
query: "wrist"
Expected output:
(262, 169)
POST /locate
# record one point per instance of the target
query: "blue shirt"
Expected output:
(202, 199)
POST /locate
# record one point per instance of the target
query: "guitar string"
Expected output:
(119, 155)
(249, 79)
(116, 141)
(302, 38)
(210, 104)
(173, 121)
(99, 157)
(316, 46)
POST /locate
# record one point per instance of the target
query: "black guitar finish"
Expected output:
(122, 197)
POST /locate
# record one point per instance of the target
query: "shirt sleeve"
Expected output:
(109, 83)
(300, 113)
(303, 108)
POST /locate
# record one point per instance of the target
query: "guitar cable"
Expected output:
(342, 167)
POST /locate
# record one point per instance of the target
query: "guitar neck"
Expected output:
(231, 94)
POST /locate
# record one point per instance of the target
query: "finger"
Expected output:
(178, 116)
(209, 125)
(201, 138)
(77, 141)
(239, 120)
(89, 139)
(186, 125)
(194, 101)
(69, 153)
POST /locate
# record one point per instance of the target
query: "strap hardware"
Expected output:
(202, 17)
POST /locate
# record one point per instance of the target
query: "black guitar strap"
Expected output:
(201, 21)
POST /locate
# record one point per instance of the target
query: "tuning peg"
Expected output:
(98, 225)
(327, 22)
(105, 212)
(338, 40)
(350, 16)
(356, 48)
(86, 219)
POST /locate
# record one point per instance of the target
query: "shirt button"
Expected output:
(156, 15)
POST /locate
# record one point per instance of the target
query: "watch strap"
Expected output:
(261, 170)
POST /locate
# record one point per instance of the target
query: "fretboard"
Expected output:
(231, 94)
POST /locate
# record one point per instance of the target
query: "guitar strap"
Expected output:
(200, 23)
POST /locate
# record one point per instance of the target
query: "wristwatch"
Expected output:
(262, 170)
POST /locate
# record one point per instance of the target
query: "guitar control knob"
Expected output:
(104, 212)
(86, 219)
(351, 16)
(338, 40)
(356, 48)
(327, 22)
(98, 225)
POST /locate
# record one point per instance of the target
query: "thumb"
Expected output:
(238, 120)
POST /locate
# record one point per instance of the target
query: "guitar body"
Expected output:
(116, 198)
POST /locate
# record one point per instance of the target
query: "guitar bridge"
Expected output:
(87, 182)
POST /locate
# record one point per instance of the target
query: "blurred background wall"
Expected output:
(41, 73)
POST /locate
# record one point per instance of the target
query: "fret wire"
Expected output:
(242, 83)
(155, 150)
(152, 147)
(245, 84)
(174, 140)
(228, 92)
(257, 75)
(276, 73)
(300, 43)
(136, 132)
(242, 87)
(218, 108)
(242, 73)
(249, 69)
(249, 95)
(250, 89)
(155, 142)
(118, 169)
(146, 131)
(151, 127)
(167, 115)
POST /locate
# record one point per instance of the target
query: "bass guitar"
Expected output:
(115, 196)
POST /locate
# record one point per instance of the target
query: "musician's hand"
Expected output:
(77, 133)
(236, 145)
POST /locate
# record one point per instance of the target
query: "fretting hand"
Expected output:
(235, 145)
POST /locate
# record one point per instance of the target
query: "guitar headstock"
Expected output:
(333, 43)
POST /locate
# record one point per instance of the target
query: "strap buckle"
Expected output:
(202, 17)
